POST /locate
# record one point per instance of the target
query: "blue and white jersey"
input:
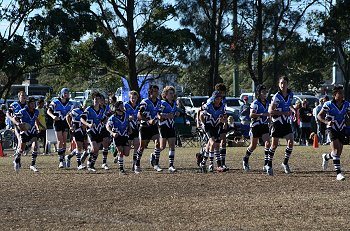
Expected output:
(149, 110)
(59, 109)
(338, 115)
(212, 115)
(245, 114)
(259, 108)
(94, 117)
(15, 107)
(133, 111)
(25, 116)
(107, 110)
(119, 124)
(283, 105)
(168, 108)
(76, 115)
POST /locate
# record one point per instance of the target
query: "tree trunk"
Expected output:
(132, 74)
(275, 57)
(260, 42)
(212, 48)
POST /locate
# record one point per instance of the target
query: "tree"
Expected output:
(335, 27)
(209, 20)
(131, 29)
(17, 55)
(264, 30)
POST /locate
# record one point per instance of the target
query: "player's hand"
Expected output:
(288, 113)
(330, 123)
(170, 116)
(91, 126)
(56, 118)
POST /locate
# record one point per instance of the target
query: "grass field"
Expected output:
(56, 199)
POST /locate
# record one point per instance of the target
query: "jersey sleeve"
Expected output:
(85, 114)
(275, 100)
(52, 106)
(143, 106)
(254, 107)
(326, 107)
(348, 107)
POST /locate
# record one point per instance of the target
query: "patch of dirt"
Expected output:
(63, 199)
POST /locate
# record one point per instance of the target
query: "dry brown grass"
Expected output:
(56, 199)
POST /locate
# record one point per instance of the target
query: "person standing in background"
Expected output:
(244, 116)
(321, 127)
(3, 117)
(42, 119)
(296, 122)
(305, 123)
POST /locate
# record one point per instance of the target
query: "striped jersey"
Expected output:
(61, 109)
(132, 111)
(338, 115)
(149, 110)
(25, 116)
(15, 107)
(76, 115)
(119, 124)
(259, 108)
(213, 114)
(168, 108)
(94, 117)
(283, 105)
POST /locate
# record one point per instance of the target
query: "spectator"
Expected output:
(3, 117)
(321, 127)
(112, 101)
(296, 122)
(244, 116)
(49, 120)
(305, 123)
(42, 119)
(181, 119)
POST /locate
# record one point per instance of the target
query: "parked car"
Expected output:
(193, 103)
(310, 99)
(233, 106)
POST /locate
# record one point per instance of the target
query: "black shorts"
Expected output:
(222, 129)
(41, 134)
(336, 135)
(104, 132)
(213, 132)
(79, 136)
(146, 133)
(26, 137)
(61, 126)
(279, 130)
(95, 137)
(259, 130)
(134, 134)
(121, 141)
(166, 132)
